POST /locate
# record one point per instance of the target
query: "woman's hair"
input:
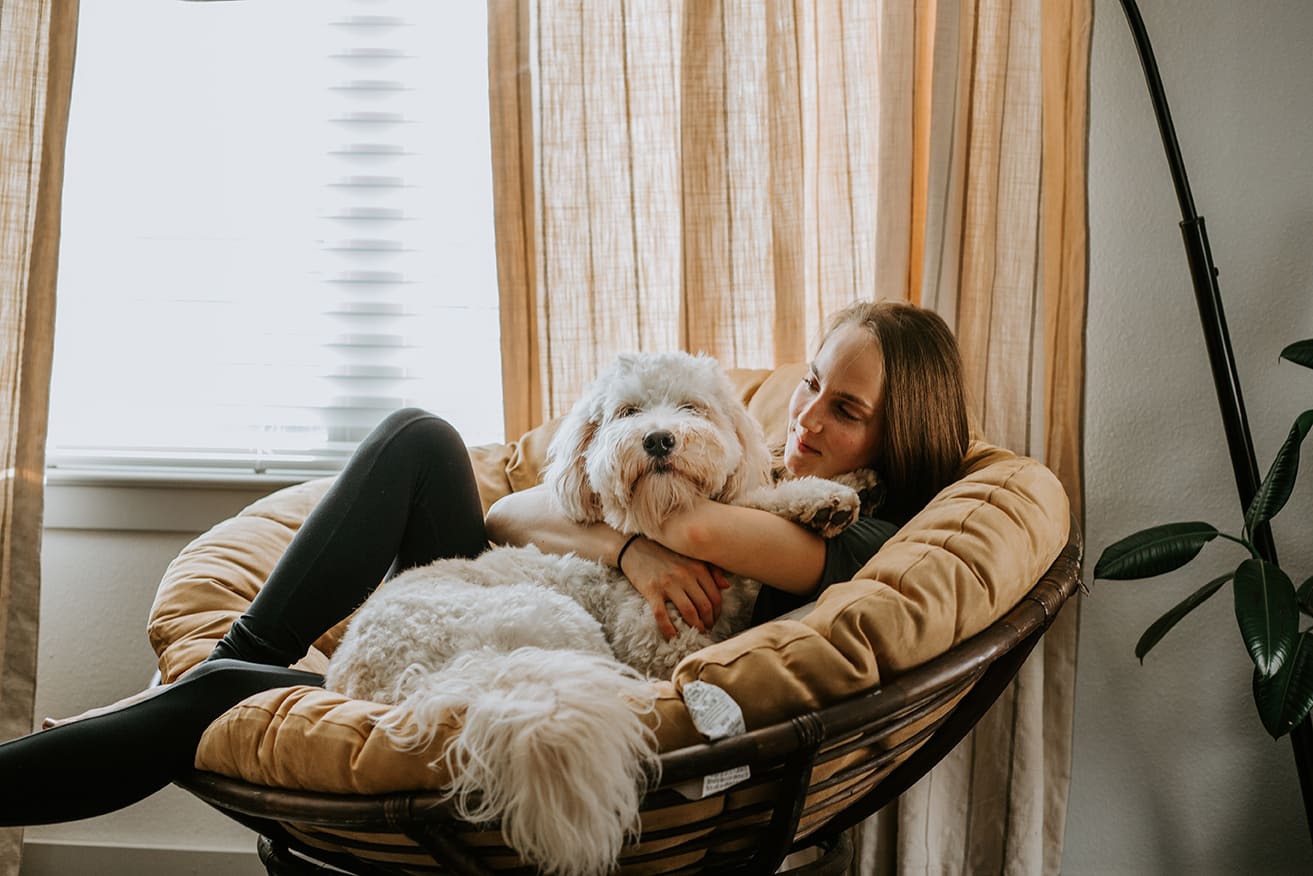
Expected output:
(925, 430)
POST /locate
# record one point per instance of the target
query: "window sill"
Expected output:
(153, 501)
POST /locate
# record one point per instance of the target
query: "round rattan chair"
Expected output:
(812, 777)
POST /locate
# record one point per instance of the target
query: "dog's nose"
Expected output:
(659, 442)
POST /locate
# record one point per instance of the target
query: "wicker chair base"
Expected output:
(835, 859)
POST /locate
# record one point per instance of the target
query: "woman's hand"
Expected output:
(661, 575)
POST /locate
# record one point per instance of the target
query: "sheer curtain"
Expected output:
(708, 176)
(719, 175)
(36, 69)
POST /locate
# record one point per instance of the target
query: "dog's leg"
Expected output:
(825, 506)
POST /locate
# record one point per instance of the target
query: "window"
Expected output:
(277, 227)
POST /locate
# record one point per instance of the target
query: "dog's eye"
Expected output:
(627, 411)
(692, 408)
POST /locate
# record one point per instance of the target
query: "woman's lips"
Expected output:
(803, 446)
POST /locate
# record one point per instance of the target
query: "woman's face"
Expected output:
(836, 413)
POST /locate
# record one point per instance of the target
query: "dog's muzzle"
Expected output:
(658, 443)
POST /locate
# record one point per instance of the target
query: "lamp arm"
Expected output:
(1207, 294)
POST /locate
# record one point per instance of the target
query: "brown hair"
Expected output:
(925, 431)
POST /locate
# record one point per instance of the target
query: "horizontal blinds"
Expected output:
(278, 228)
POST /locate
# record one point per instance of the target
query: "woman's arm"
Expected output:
(659, 574)
(532, 516)
(749, 542)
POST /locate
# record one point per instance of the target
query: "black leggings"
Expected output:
(406, 497)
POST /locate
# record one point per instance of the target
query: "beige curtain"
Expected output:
(705, 175)
(1005, 262)
(718, 175)
(36, 70)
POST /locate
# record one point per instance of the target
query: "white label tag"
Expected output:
(715, 715)
(713, 711)
(717, 782)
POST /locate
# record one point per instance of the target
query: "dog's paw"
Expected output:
(832, 514)
(823, 506)
(867, 484)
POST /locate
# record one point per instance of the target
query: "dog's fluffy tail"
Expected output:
(553, 745)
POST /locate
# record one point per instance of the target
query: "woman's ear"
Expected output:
(566, 475)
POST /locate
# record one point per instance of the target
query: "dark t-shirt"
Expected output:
(845, 554)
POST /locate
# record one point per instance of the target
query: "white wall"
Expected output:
(1172, 771)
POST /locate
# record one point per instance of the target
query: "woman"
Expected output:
(884, 391)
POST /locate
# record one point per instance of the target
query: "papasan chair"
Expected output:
(846, 706)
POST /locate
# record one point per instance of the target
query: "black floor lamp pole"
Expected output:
(1218, 341)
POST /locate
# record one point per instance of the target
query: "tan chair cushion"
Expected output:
(952, 570)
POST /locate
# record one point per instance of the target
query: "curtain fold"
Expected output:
(37, 39)
(720, 175)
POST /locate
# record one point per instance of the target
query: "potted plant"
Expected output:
(1267, 604)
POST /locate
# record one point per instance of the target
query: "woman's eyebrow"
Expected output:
(857, 400)
(843, 396)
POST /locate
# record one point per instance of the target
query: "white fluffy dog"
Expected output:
(545, 660)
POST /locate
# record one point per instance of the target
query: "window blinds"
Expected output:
(277, 228)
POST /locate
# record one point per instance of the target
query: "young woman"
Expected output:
(884, 391)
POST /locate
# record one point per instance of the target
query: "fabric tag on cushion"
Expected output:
(715, 715)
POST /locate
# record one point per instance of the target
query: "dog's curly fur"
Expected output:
(544, 658)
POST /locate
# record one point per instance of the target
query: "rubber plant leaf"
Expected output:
(1280, 481)
(1160, 627)
(1304, 596)
(1284, 699)
(1267, 614)
(1300, 352)
(1153, 551)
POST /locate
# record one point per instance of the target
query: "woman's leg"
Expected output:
(100, 764)
(406, 497)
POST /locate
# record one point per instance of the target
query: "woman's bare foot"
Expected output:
(139, 696)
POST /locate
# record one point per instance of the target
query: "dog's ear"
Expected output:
(753, 469)
(565, 474)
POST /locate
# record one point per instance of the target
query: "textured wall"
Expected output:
(1172, 770)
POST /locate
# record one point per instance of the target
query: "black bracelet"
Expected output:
(624, 548)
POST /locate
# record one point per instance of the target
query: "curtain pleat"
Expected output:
(36, 68)
(510, 101)
(784, 36)
(720, 175)
(1064, 266)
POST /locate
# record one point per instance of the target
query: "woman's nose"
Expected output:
(809, 417)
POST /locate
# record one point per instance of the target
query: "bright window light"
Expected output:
(277, 227)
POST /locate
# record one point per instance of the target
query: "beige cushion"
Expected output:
(957, 566)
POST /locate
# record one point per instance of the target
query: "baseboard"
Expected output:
(70, 859)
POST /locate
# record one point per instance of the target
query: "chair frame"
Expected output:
(751, 837)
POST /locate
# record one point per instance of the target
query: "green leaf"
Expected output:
(1286, 698)
(1304, 597)
(1160, 627)
(1267, 614)
(1153, 551)
(1276, 487)
(1300, 352)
